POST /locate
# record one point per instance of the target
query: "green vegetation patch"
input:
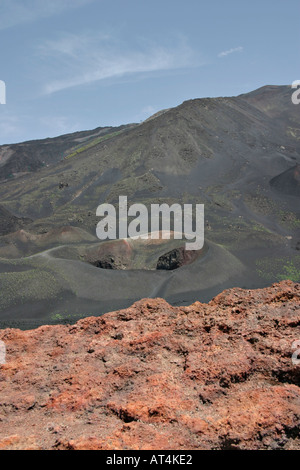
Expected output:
(279, 269)
(92, 144)
(129, 186)
(32, 285)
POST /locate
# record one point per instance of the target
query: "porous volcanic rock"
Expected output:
(207, 376)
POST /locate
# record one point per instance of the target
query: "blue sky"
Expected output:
(79, 64)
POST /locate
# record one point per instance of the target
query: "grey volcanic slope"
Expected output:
(10, 223)
(238, 156)
(288, 182)
(17, 159)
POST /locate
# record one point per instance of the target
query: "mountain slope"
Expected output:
(238, 156)
(9, 223)
(19, 159)
(222, 142)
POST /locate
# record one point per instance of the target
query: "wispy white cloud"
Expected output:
(9, 126)
(149, 110)
(55, 125)
(145, 113)
(231, 51)
(14, 12)
(16, 126)
(75, 60)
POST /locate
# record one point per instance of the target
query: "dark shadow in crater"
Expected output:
(176, 258)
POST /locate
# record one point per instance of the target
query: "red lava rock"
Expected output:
(157, 377)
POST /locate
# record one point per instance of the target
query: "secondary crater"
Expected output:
(145, 254)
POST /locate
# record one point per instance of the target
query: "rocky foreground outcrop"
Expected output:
(207, 376)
